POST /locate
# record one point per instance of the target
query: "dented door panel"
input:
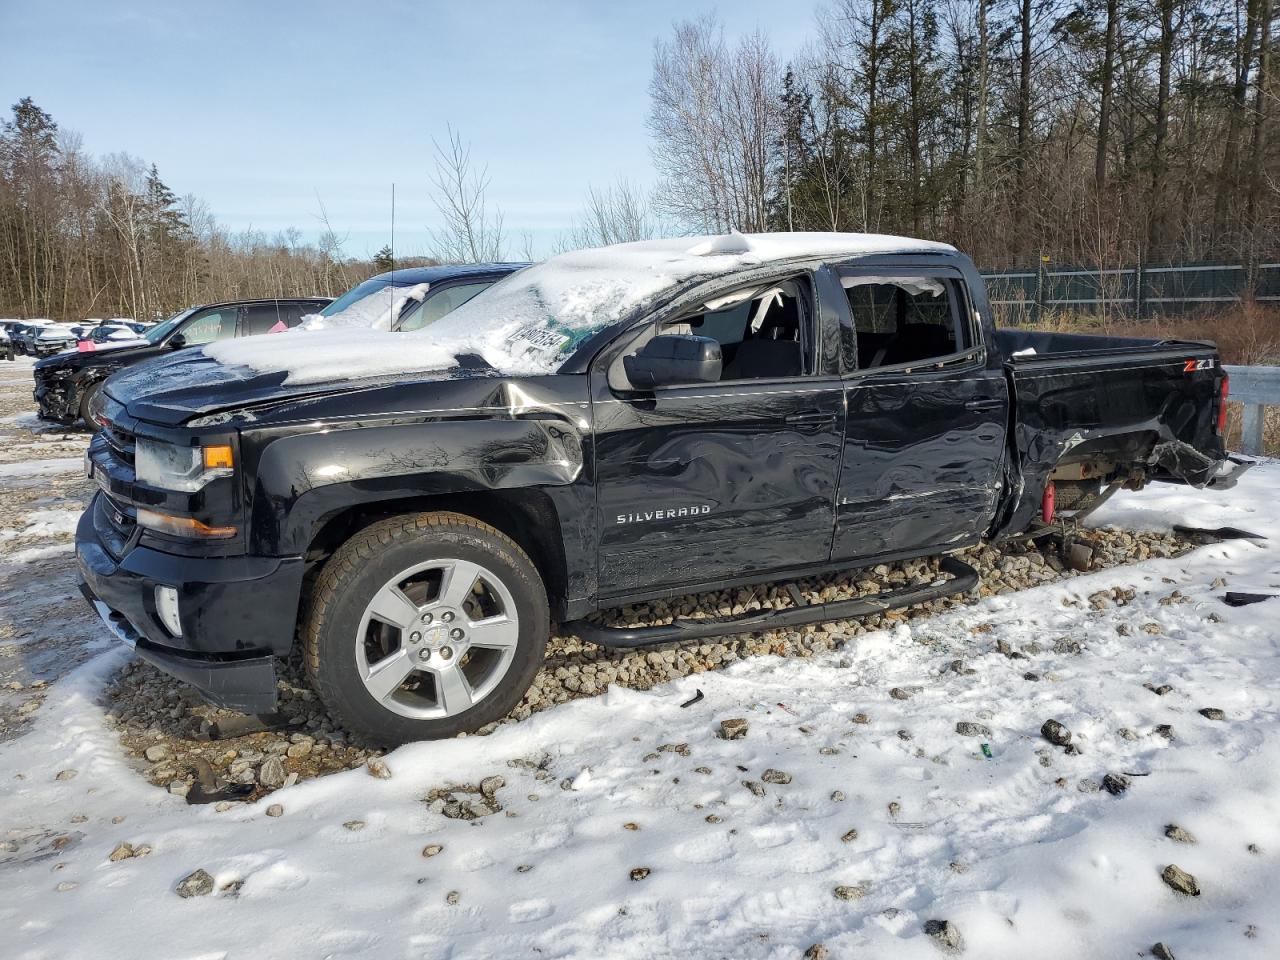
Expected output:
(923, 461)
(719, 480)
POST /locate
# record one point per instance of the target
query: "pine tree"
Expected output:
(384, 260)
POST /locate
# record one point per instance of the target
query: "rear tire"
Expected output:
(425, 626)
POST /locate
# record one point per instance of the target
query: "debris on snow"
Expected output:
(1181, 881)
(1055, 733)
(198, 883)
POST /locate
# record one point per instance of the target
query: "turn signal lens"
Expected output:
(182, 526)
(218, 458)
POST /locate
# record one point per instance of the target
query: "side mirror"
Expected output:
(177, 342)
(673, 359)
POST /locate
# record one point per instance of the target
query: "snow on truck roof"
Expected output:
(529, 322)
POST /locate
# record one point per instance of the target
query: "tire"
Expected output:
(399, 647)
(86, 403)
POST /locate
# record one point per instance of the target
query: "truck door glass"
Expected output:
(903, 320)
(217, 324)
(766, 336)
(292, 313)
(438, 303)
(259, 318)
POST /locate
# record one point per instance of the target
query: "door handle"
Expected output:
(810, 416)
(984, 404)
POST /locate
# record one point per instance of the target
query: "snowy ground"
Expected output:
(1025, 859)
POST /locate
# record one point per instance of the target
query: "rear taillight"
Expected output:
(1222, 404)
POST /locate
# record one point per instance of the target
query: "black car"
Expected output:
(611, 426)
(401, 300)
(65, 384)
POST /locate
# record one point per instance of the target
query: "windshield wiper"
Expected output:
(473, 361)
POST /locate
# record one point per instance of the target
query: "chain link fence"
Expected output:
(1023, 296)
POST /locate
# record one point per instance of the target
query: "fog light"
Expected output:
(167, 608)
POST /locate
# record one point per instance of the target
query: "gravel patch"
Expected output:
(151, 711)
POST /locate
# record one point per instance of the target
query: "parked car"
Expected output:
(403, 300)
(66, 384)
(410, 298)
(612, 425)
(24, 341)
(55, 338)
(113, 334)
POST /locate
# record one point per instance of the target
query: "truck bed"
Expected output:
(1033, 346)
(1104, 407)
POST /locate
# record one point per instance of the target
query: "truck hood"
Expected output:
(174, 389)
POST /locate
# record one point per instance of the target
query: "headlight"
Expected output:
(184, 469)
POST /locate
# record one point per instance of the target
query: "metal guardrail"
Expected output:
(1256, 388)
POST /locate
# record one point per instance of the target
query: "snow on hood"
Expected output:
(528, 322)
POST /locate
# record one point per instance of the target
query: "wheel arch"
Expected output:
(527, 516)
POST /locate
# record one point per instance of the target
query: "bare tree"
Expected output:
(715, 119)
(470, 233)
(618, 213)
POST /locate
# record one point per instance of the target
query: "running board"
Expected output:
(963, 579)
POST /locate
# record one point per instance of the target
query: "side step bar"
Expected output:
(963, 579)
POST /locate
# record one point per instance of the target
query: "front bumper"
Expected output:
(237, 614)
(56, 398)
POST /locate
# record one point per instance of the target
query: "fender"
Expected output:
(302, 480)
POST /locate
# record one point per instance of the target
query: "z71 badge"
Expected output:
(1191, 366)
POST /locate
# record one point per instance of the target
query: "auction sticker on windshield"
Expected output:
(539, 338)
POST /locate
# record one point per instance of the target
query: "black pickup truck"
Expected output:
(632, 422)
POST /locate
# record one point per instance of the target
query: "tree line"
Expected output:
(1091, 132)
(82, 236)
(1085, 131)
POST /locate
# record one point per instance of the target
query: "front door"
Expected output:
(721, 481)
(924, 442)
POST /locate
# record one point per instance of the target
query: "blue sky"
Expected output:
(261, 107)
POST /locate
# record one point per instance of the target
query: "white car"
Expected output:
(55, 338)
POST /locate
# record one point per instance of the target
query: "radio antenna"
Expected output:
(393, 225)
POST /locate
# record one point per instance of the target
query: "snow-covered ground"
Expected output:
(885, 800)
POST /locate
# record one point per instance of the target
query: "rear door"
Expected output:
(721, 481)
(924, 440)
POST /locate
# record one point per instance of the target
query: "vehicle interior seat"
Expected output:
(774, 350)
(916, 341)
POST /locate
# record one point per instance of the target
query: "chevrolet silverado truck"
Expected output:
(613, 425)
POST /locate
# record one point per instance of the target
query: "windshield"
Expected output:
(372, 305)
(162, 330)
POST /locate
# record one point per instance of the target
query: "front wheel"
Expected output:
(86, 404)
(425, 626)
